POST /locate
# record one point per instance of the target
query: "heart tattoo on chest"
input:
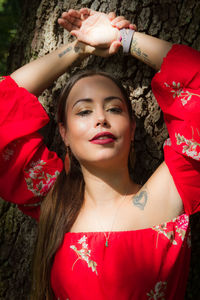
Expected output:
(140, 200)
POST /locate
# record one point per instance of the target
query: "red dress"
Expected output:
(150, 263)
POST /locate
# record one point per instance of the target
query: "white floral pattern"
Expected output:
(167, 142)
(190, 147)
(159, 291)
(178, 92)
(179, 230)
(38, 181)
(84, 254)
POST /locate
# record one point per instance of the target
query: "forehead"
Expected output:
(94, 86)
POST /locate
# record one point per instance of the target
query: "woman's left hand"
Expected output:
(94, 28)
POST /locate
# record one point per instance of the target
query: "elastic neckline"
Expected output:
(174, 220)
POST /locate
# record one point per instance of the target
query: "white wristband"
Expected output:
(127, 36)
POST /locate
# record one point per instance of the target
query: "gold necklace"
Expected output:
(117, 209)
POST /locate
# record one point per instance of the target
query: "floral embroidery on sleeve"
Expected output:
(180, 228)
(177, 91)
(38, 181)
(84, 254)
(163, 229)
(190, 147)
(167, 142)
(2, 78)
(159, 291)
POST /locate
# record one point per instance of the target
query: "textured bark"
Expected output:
(174, 20)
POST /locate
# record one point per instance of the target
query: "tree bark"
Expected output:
(174, 20)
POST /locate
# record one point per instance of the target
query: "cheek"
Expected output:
(77, 129)
(126, 128)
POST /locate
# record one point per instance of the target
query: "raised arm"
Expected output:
(27, 167)
(37, 75)
(149, 50)
(146, 48)
(96, 36)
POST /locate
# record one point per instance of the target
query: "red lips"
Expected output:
(97, 139)
(104, 133)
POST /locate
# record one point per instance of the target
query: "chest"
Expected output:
(129, 216)
(85, 269)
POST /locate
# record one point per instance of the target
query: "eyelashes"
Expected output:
(86, 112)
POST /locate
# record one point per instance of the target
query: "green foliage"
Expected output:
(10, 11)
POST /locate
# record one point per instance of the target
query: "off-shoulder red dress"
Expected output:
(143, 264)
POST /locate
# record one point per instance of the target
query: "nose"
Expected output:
(101, 119)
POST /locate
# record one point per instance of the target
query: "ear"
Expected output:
(63, 133)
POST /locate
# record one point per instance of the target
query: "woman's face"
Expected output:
(98, 129)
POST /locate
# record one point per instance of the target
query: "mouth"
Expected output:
(103, 138)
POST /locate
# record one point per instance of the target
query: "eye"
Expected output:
(115, 110)
(84, 113)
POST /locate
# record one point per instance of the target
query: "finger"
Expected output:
(117, 19)
(111, 15)
(71, 13)
(93, 12)
(74, 13)
(114, 47)
(122, 24)
(84, 11)
(75, 21)
(66, 25)
(70, 19)
(133, 26)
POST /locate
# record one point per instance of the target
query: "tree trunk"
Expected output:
(174, 20)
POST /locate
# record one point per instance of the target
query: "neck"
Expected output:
(106, 187)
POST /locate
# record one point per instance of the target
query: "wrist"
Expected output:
(83, 50)
(126, 39)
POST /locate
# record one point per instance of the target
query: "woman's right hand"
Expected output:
(95, 29)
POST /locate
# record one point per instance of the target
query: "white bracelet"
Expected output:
(126, 36)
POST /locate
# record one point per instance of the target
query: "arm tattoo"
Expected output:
(135, 50)
(64, 52)
(77, 49)
(140, 200)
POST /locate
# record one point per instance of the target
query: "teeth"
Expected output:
(103, 137)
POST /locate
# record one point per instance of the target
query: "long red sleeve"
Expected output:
(27, 168)
(177, 90)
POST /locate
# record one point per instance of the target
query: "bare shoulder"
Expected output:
(159, 194)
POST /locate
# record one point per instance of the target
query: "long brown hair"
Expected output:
(61, 207)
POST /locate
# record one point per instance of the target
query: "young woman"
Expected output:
(102, 236)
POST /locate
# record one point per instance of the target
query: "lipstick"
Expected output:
(103, 138)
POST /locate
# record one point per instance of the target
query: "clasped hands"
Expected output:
(96, 29)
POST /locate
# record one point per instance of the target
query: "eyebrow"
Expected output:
(107, 99)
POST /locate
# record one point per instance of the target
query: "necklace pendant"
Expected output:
(106, 244)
